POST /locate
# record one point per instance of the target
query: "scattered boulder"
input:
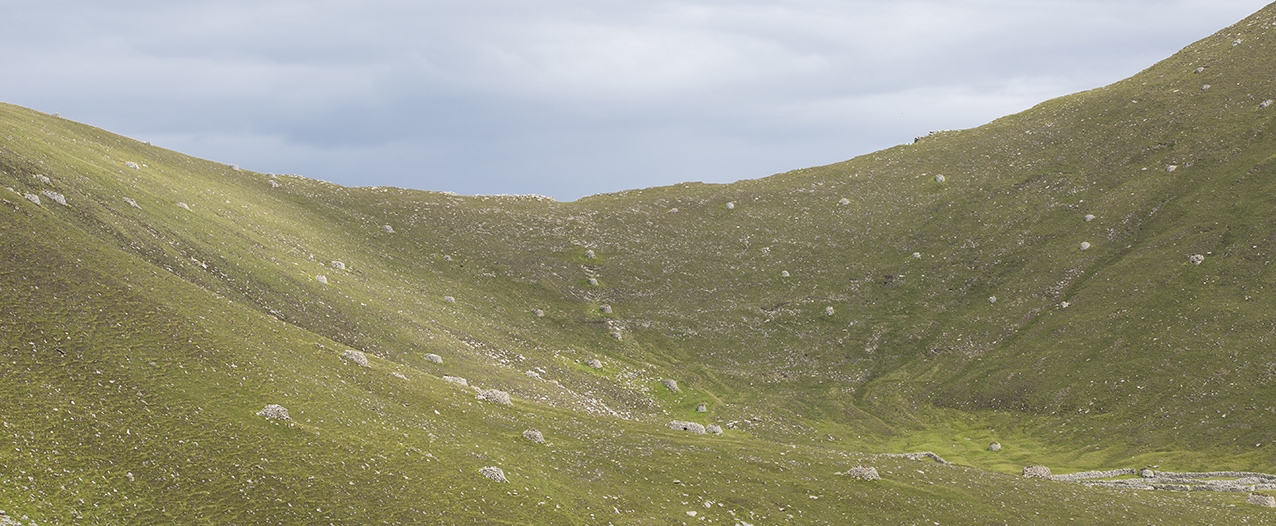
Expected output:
(1171, 168)
(132, 203)
(1065, 304)
(447, 258)
(702, 408)
(356, 357)
(844, 201)
(595, 363)
(184, 206)
(538, 313)
(1265, 103)
(132, 165)
(917, 255)
(593, 281)
(671, 385)
(431, 357)
(274, 183)
(1205, 87)
(1236, 42)
(1036, 472)
(994, 447)
(274, 412)
(863, 473)
(534, 435)
(494, 473)
(1196, 259)
(449, 299)
(784, 273)
(32, 197)
(234, 167)
(714, 428)
(730, 206)
(56, 197)
(338, 265)
(387, 229)
(1258, 499)
(992, 299)
(1147, 473)
(43, 178)
(617, 335)
(1200, 69)
(1085, 245)
(605, 309)
(494, 395)
(456, 380)
(939, 178)
(687, 426)
(828, 311)
(589, 254)
(399, 375)
(1089, 218)
(322, 279)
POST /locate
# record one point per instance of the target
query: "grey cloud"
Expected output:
(568, 97)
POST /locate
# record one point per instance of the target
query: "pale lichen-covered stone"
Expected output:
(56, 197)
(1036, 472)
(1258, 499)
(494, 395)
(534, 435)
(863, 473)
(687, 426)
(274, 412)
(355, 357)
(494, 473)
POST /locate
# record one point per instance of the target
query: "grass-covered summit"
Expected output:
(1085, 283)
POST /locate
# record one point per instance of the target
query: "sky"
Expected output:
(567, 98)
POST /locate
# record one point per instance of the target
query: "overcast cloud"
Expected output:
(568, 97)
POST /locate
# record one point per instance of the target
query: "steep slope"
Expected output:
(818, 315)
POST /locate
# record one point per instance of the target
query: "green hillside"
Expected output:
(934, 296)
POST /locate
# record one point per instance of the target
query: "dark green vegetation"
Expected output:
(137, 343)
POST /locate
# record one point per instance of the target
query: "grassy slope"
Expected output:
(168, 328)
